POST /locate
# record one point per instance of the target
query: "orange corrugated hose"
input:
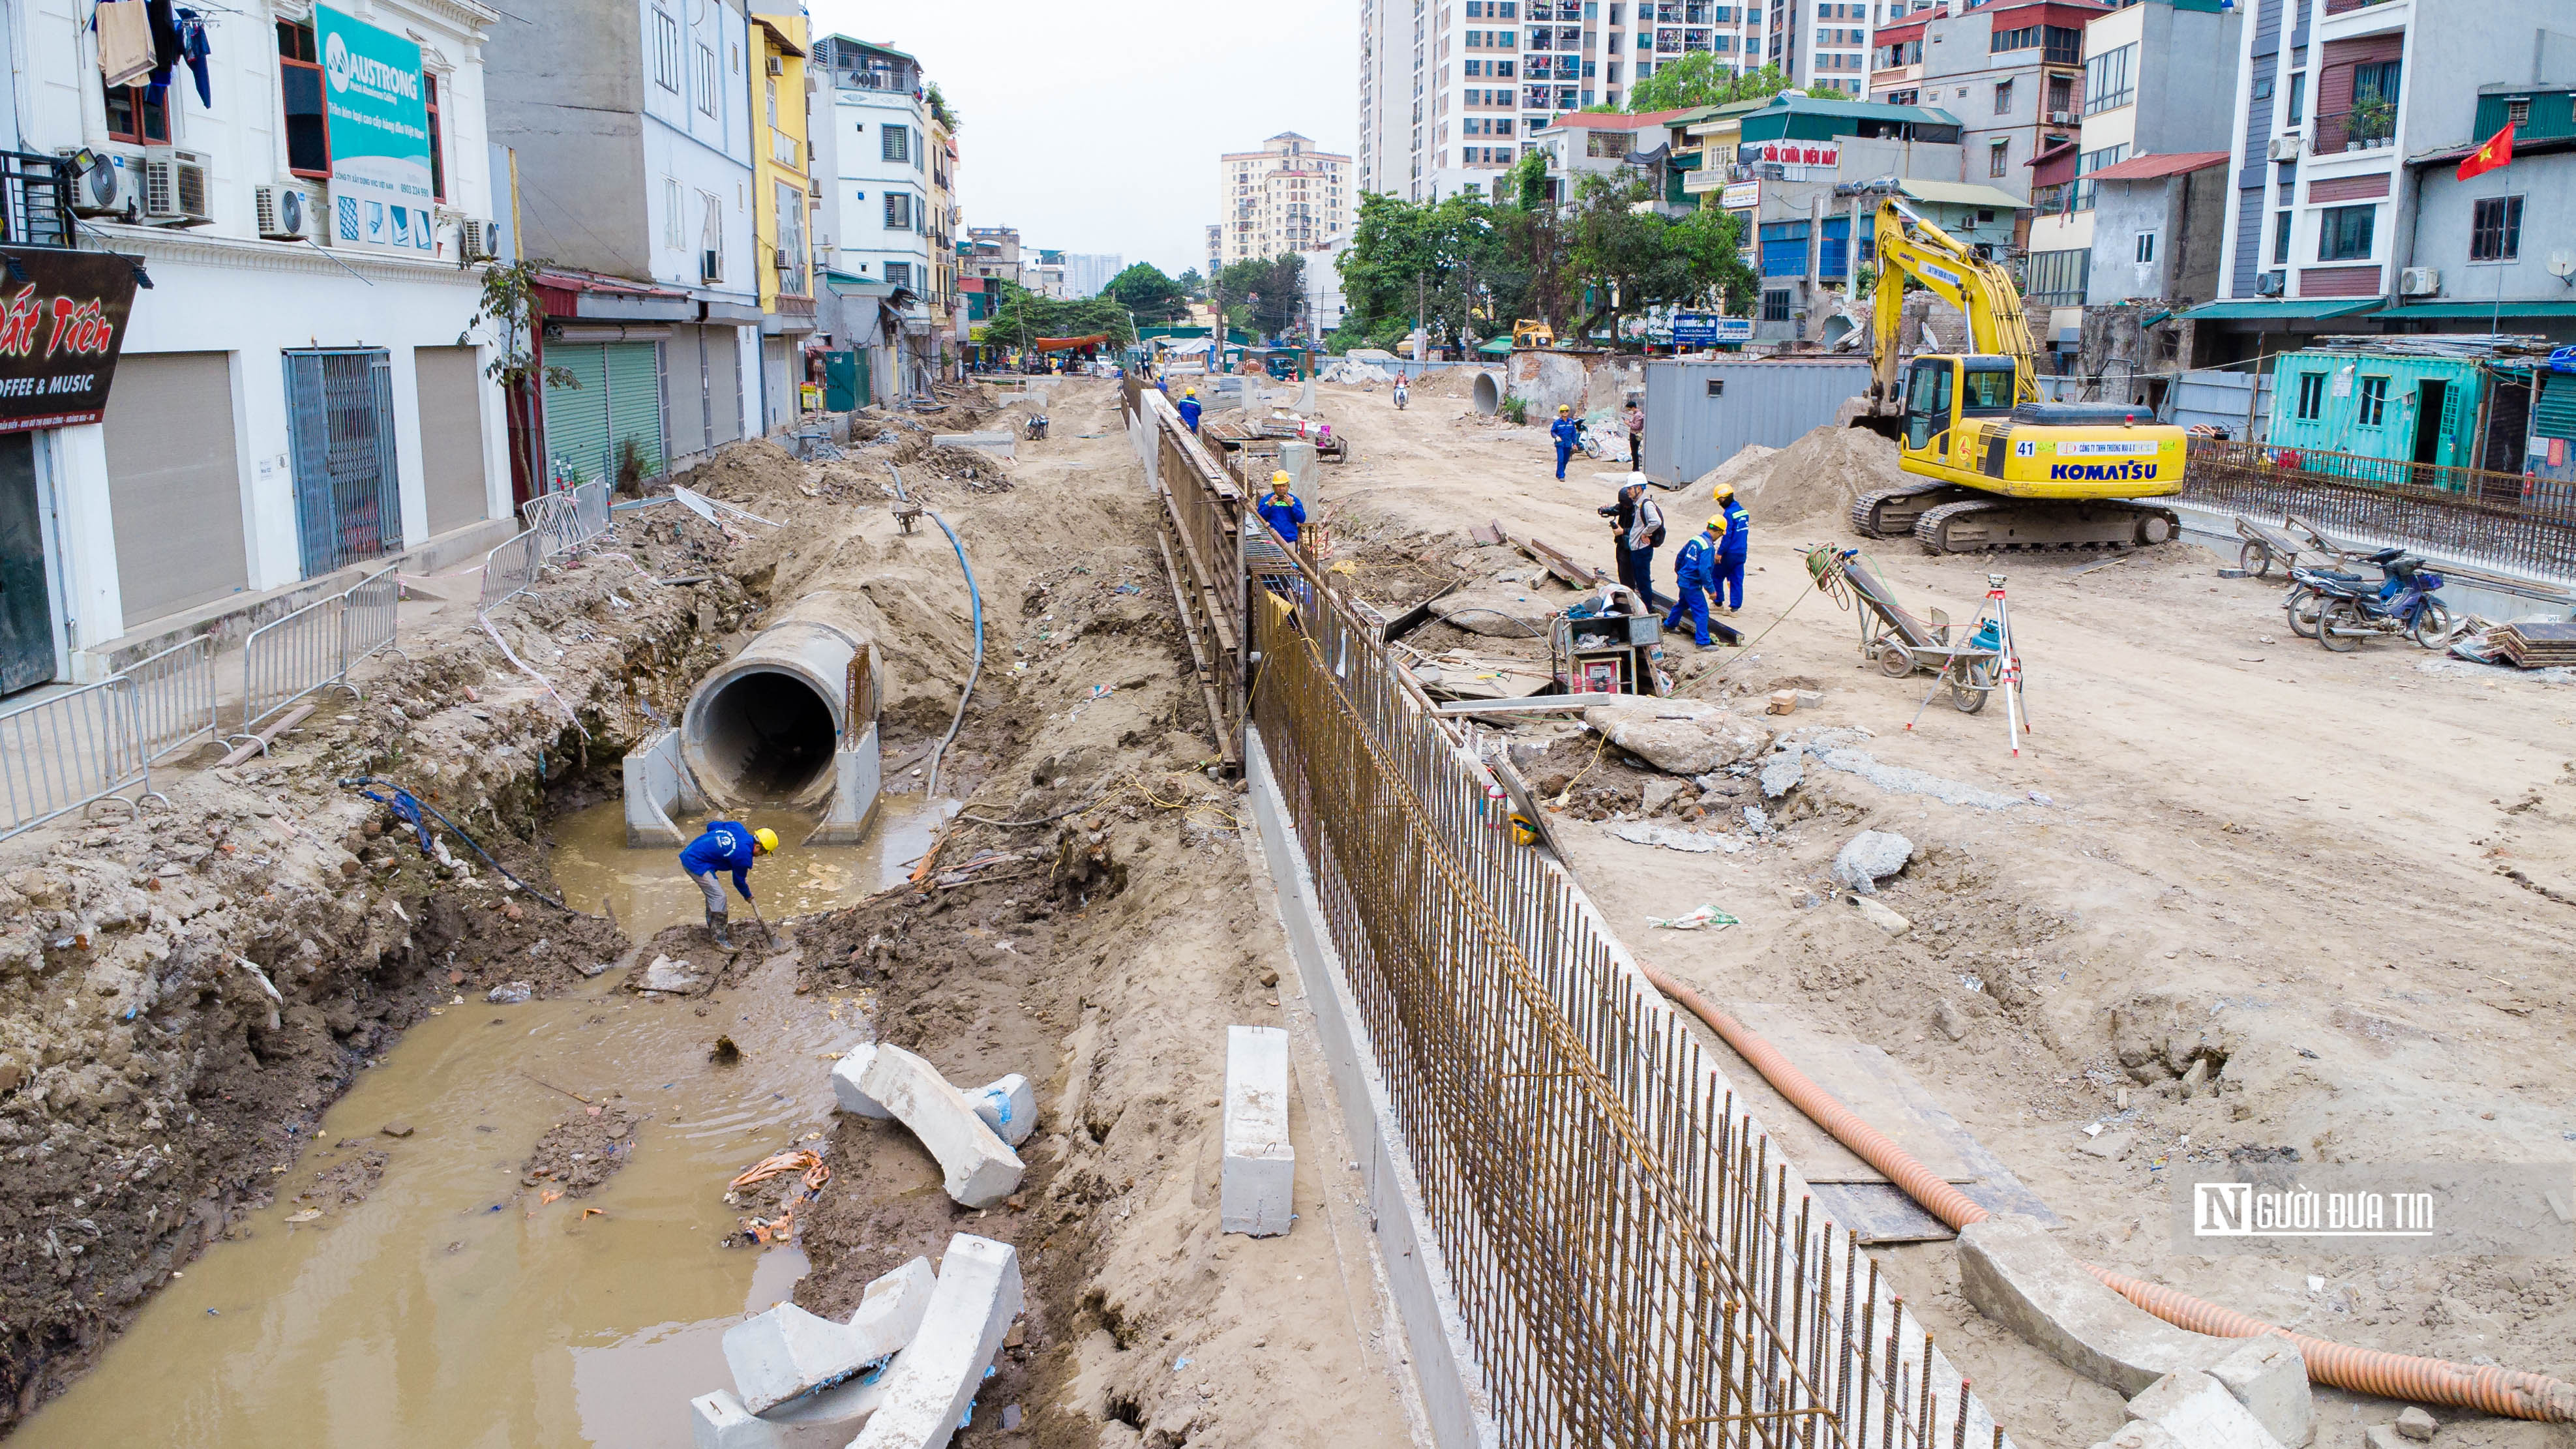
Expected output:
(2499, 1391)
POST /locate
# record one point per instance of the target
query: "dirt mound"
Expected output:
(746, 472)
(1746, 471)
(1447, 382)
(582, 1151)
(1822, 473)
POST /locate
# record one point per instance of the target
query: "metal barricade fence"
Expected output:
(173, 698)
(369, 616)
(288, 658)
(512, 567)
(74, 749)
(569, 518)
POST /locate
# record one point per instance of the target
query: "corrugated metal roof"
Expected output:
(1863, 110)
(2148, 168)
(1962, 193)
(2300, 309)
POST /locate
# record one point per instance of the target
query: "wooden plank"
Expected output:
(1419, 615)
(1538, 704)
(1558, 562)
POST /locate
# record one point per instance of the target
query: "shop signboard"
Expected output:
(376, 105)
(61, 331)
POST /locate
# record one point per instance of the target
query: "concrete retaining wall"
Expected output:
(658, 785)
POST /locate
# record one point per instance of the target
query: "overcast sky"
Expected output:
(1094, 125)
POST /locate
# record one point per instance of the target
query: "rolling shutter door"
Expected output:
(634, 403)
(174, 485)
(724, 383)
(684, 422)
(451, 436)
(577, 417)
(2555, 415)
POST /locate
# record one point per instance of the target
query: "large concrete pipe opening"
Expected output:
(769, 724)
(1489, 393)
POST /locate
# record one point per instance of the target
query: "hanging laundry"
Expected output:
(198, 53)
(165, 40)
(124, 41)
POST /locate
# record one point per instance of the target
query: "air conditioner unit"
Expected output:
(174, 187)
(2419, 282)
(288, 212)
(710, 265)
(786, 260)
(2270, 284)
(106, 189)
(478, 238)
(2283, 148)
(2061, 118)
(778, 65)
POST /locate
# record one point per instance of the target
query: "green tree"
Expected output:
(1628, 257)
(1145, 291)
(1697, 79)
(1192, 285)
(1272, 291)
(1023, 316)
(1445, 263)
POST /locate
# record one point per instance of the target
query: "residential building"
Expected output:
(1285, 197)
(1087, 274)
(2012, 71)
(292, 289)
(994, 251)
(1606, 144)
(2347, 216)
(1451, 89)
(880, 193)
(782, 194)
(1216, 248)
(631, 121)
(947, 319)
(1325, 304)
(851, 322)
(2157, 78)
(1046, 275)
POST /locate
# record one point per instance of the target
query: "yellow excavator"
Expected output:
(2000, 468)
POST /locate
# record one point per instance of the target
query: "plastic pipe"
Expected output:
(2505, 1392)
(974, 673)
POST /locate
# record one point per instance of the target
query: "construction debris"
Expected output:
(881, 1080)
(1677, 736)
(1869, 857)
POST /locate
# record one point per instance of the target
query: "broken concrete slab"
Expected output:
(1782, 772)
(1678, 736)
(719, 1421)
(890, 1311)
(2011, 1271)
(1886, 920)
(847, 1093)
(980, 1168)
(1870, 857)
(933, 1382)
(2269, 1376)
(1257, 1188)
(2138, 1435)
(830, 1419)
(1694, 842)
(786, 1353)
(1008, 1106)
(2199, 1411)
(1000, 443)
(2384, 1436)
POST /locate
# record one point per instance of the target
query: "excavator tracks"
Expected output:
(1891, 512)
(1976, 524)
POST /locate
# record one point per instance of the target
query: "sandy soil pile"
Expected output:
(1457, 382)
(1820, 474)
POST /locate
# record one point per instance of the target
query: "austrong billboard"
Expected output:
(376, 104)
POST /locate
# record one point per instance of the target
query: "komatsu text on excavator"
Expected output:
(2001, 468)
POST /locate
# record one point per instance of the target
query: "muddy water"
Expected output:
(648, 891)
(452, 1309)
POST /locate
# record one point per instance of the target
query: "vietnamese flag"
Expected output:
(2498, 151)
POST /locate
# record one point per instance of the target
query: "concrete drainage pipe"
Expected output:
(767, 725)
(1489, 393)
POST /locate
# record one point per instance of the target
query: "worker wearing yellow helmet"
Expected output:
(725, 845)
(1188, 408)
(1281, 509)
(1726, 576)
(1568, 436)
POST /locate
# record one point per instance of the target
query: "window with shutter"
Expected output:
(2555, 414)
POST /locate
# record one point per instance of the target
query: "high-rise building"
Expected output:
(1087, 274)
(1451, 89)
(1285, 197)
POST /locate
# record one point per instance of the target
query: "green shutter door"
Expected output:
(577, 417)
(634, 403)
(2555, 416)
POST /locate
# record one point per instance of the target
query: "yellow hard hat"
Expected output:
(1723, 490)
(1189, 392)
(1564, 407)
(766, 839)
(1280, 477)
(1717, 523)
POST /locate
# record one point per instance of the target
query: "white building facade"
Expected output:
(1285, 197)
(879, 195)
(1451, 89)
(293, 397)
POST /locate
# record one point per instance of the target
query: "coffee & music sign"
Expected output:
(61, 331)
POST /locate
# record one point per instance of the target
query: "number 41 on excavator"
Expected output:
(1999, 467)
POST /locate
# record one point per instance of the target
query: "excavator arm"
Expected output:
(1912, 246)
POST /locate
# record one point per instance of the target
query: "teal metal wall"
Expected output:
(2359, 402)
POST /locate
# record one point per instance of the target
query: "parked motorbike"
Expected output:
(2348, 612)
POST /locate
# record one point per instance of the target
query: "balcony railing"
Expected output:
(36, 200)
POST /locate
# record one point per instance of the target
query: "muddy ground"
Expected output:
(2340, 879)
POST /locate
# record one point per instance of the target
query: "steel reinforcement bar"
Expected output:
(1632, 1262)
(2504, 519)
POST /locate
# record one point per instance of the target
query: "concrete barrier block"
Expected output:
(2199, 1411)
(787, 1352)
(2269, 1376)
(857, 784)
(2012, 1273)
(719, 1421)
(980, 1168)
(1009, 1107)
(889, 1314)
(1257, 1191)
(830, 1419)
(932, 1383)
(846, 1091)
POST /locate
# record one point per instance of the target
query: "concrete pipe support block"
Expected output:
(2011, 1272)
(890, 1312)
(1008, 1106)
(2269, 1376)
(719, 1421)
(846, 1091)
(932, 1383)
(2199, 1411)
(1258, 1188)
(981, 1169)
(787, 1351)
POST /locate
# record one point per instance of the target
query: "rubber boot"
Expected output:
(716, 928)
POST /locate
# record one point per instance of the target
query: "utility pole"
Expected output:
(1421, 328)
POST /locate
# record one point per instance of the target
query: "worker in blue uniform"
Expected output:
(1280, 509)
(1568, 435)
(1726, 580)
(725, 845)
(1189, 408)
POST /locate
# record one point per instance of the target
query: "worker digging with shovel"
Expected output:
(726, 845)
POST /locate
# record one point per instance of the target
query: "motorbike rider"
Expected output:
(1403, 394)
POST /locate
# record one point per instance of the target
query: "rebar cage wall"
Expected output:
(1633, 1263)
